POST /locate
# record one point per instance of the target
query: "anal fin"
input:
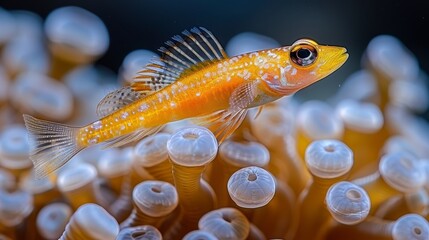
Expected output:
(259, 112)
(222, 123)
(132, 137)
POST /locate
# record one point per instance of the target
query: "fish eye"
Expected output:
(303, 54)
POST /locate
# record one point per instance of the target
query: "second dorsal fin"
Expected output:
(182, 55)
(116, 100)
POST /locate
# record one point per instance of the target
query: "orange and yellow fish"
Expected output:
(193, 79)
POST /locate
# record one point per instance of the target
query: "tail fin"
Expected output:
(54, 144)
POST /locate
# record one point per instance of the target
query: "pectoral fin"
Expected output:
(224, 123)
(243, 96)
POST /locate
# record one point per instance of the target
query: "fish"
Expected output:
(194, 79)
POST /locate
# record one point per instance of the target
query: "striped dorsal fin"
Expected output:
(182, 55)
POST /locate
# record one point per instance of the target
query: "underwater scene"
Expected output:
(217, 120)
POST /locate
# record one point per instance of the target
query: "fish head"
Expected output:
(304, 63)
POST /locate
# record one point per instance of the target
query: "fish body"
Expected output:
(197, 94)
(194, 79)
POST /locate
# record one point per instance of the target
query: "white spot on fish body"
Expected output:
(233, 60)
(93, 141)
(167, 95)
(124, 115)
(283, 79)
(242, 73)
(265, 76)
(294, 71)
(245, 74)
(253, 54)
(97, 125)
(273, 55)
(259, 61)
(143, 107)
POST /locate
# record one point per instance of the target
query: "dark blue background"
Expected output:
(147, 24)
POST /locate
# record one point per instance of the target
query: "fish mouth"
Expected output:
(333, 62)
(342, 57)
(344, 54)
